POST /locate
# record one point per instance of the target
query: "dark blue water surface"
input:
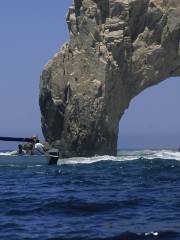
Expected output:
(126, 200)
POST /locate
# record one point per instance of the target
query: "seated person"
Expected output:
(20, 150)
(39, 147)
(28, 148)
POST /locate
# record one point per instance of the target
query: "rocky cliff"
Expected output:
(117, 49)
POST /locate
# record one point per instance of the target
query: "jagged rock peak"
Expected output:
(117, 49)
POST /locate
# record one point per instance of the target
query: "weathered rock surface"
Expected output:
(117, 49)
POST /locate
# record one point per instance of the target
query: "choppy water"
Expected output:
(135, 196)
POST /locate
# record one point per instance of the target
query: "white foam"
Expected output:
(125, 156)
(164, 154)
(86, 160)
(12, 153)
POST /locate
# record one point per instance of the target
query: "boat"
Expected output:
(8, 158)
(35, 158)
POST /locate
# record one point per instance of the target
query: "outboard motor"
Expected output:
(54, 156)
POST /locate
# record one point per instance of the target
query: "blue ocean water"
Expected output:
(134, 196)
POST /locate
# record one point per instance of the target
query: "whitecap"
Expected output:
(125, 156)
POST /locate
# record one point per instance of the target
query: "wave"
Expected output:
(10, 153)
(122, 156)
(126, 156)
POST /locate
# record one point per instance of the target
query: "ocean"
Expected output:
(134, 196)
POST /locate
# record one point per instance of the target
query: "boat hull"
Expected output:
(31, 160)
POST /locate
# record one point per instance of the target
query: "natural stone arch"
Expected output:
(117, 49)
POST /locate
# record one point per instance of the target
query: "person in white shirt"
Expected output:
(39, 147)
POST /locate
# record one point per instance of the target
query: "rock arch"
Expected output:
(114, 53)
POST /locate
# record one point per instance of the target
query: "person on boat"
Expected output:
(20, 150)
(34, 139)
(39, 147)
(28, 148)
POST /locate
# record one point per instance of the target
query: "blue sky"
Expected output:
(153, 118)
(31, 33)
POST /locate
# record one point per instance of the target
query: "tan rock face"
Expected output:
(117, 49)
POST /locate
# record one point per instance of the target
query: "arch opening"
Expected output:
(152, 120)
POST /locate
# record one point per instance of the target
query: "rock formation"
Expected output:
(117, 49)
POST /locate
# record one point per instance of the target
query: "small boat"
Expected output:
(35, 158)
(32, 160)
(8, 158)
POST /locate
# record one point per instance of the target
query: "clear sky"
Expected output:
(31, 32)
(153, 118)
